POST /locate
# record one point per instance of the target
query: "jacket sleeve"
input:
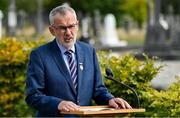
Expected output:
(35, 87)
(101, 94)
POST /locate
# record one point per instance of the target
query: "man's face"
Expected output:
(65, 29)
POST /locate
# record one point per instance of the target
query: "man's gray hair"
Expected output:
(62, 10)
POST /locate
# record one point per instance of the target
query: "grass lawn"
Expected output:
(133, 37)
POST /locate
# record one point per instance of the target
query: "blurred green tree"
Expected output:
(137, 10)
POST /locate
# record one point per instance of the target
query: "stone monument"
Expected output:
(156, 43)
(12, 18)
(1, 17)
(163, 33)
(85, 23)
(40, 24)
(21, 18)
(97, 26)
(110, 38)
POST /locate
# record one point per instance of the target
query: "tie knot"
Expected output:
(68, 52)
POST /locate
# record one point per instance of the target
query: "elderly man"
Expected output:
(64, 74)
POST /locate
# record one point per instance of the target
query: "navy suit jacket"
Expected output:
(49, 82)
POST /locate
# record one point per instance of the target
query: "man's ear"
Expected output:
(52, 30)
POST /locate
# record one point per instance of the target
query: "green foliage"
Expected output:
(138, 74)
(105, 7)
(14, 57)
(84, 6)
(3, 5)
(29, 6)
(166, 4)
(167, 101)
(136, 10)
(129, 70)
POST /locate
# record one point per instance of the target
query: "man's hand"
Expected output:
(68, 106)
(119, 103)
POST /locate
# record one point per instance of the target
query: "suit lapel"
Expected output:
(56, 53)
(80, 64)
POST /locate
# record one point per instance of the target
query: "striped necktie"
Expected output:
(72, 67)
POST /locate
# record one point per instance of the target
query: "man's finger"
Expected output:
(68, 106)
(127, 105)
(73, 107)
(113, 103)
(121, 102)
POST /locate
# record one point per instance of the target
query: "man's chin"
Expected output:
(69, 45)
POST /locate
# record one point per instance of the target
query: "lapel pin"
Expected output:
(81, 66)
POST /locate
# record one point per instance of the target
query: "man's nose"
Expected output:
(67, 31)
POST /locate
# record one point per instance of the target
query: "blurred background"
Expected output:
(127, 22)
(32, 16)
(150, 26)
(118, 26)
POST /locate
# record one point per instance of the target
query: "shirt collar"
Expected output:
(64, 49)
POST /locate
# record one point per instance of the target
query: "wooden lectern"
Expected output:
(101, 111)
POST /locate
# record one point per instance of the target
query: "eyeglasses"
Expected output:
(64, 28)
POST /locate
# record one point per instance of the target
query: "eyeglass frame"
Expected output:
(64, 28)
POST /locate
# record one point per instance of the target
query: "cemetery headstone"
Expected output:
(110, 38)
(97, 27)
(85, 23)
(156, 36)
(12, 18)
(21, 18)
(40, 24)
(1, 17)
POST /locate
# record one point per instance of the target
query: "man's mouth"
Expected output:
(68, 39)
